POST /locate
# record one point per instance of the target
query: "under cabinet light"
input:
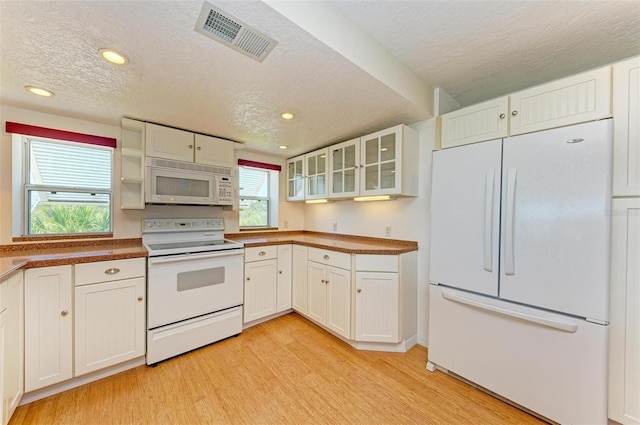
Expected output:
(316, 201)
(373, 198)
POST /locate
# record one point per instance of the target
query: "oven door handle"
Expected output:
(184, 258)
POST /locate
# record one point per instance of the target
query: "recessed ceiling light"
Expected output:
(287, 116)
(113, 56)
(40, 91)
(283, 147)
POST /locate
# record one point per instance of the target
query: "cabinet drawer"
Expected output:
(107, 271)
(260, 253)
(330, 258)
(377, 263)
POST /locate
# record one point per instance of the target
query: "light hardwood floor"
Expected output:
(285, 371)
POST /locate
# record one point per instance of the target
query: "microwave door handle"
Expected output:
(185, 258)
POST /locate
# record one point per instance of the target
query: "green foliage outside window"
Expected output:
(253, 213)
(58, 219)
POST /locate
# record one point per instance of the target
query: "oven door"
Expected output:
(181, 287)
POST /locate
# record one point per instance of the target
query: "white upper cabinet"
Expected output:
(389, 162)
(344, 163)
(316, 177)
(477, 123)
(214, 151)
(169, 143)
(295, 178)
(626, 128)
(132, 153)
(181, 145)
(572, 100)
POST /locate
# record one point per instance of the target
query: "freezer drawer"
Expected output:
(552, 364)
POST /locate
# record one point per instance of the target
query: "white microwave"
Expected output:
(186, 183)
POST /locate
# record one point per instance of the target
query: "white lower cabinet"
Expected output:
(284, 278)
(109, 316)
(299, 286)
(260, 282)
(330, 290)
(377, 307)
(624, 325)
(48, 328)
(11, 346)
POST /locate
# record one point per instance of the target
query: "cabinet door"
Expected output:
(380, 154)
(626, 128)
(377, 309)
(344, 163)
(579, 98)
(214, 151)
(299, 287)
(169, 143)
(338, 283)
(284, 278)
(109, 324)
(317, 292)
(48, 327)
(316, 177)
(295, 179)
(624, 325)
(477, 123)
(13, 347)
(260, 288)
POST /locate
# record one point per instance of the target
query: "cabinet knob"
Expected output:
(261, 253)
(280, 271)
(113, 270)
(64, 313)
(190, 146)
(248, 278)
(502, 116)
(359, 290)
(323, 281)
(326, 257)
(199, 148)
(514, 113)
(326, 282)
(140, 298)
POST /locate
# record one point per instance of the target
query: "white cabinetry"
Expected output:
(624, 325)
(329, 284)
(261, 285)
(344, 165)
(295, 178)
(109, 313)
(389, 162)
(11, 345)
(626, 128)
(132, 165)
(48, 326)
(299, 286)
(284, 278)
(181, 145)
(316, 174)
(572, 100)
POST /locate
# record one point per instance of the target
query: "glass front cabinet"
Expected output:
(316, 181)
(295, 178)
(344, 163)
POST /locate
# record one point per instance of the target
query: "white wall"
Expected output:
(408, 217)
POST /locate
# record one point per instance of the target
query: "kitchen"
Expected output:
(321, 218)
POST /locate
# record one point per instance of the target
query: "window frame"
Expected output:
(28, 187)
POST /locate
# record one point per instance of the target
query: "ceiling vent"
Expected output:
(232, 32)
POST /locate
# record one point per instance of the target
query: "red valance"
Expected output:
(50, 133)
(256, 164)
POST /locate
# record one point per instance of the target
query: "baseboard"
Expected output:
(423, 341)
(265, 319)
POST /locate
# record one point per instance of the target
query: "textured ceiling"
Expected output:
(474, 50)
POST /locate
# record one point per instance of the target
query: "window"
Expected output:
(67, 187)
(254, 197)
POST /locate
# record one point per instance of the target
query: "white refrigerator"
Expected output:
(519, 268)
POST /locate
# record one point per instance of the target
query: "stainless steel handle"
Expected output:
(194, 257)
(359, 290)
(261, 253)
(64, 313)
(514, 113)
(112, 270)
(326, 257)
(190, 146)
(140, 298)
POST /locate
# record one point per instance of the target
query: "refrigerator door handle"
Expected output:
(509, 260)
(551, 323)
(488, 220)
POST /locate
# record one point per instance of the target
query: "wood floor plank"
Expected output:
(285, 371)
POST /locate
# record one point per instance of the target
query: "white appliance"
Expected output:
(519, 268)
(186, 183)
(194, 285)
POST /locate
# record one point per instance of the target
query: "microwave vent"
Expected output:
(233, 33)
(180, 165)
